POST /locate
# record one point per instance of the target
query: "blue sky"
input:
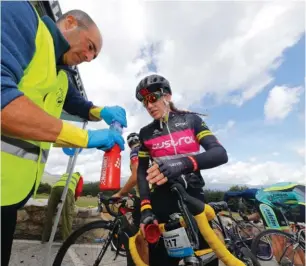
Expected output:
(217, 61)
(251, 135)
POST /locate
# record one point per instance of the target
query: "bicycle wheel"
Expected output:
(281, 247)
(248, 258)
(247, 231)
(88, 245)
(114, 244)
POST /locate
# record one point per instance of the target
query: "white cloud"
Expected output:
(281, 101)
(230, 58)
(223, 131)
(255, 173)
(300, 151)
(275, 153)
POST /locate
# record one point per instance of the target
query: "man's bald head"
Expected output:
(82, 34)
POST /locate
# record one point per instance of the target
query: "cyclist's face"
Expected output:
(158, 107)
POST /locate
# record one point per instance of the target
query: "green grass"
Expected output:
(87, 202)
(81, 202)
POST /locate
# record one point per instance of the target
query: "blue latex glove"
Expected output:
(114, 113)
(104, 139)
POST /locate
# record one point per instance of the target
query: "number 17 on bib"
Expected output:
(177, 243)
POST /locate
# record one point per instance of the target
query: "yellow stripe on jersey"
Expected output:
(143, 154)
(203, 134)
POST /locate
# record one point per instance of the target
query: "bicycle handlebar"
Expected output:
(122, 201)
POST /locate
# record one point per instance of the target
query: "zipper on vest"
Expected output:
(172, 141)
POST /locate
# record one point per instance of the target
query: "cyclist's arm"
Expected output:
(131, 182)
(143, 165)
(214, 154)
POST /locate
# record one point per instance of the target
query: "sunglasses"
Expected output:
(133, 139)
(152, 98)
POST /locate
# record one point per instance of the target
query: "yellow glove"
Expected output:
(72, 136)
(96, 112)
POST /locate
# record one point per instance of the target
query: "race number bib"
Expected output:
(177, 243)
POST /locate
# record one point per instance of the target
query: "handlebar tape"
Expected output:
(214, 242)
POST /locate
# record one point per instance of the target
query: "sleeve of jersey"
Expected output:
(214, 154)
(143, 164)
(134, 156)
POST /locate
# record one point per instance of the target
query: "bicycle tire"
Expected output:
(248, 254)
(74, 236)
(122, 252)
(238, 225)
(267, 232)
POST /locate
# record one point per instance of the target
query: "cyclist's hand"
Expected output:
(155, 176)
(147, 217)
(176, 167)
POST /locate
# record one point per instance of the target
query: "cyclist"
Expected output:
(134, 144)
(140, 244)
(172, 141)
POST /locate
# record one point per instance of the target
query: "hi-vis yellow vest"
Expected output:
(73, 181)
(23, 161)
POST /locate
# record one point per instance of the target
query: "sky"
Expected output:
(241, 63)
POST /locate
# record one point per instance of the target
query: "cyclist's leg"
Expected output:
(164, 203)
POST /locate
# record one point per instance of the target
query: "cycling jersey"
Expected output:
(180, 136)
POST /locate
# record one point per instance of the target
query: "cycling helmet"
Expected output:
(132, 139)
(151, 84)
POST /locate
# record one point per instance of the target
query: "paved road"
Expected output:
(28, 253)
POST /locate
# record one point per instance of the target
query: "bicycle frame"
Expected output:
(232, 240)
(195, 218)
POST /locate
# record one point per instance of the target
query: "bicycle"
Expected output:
(237, 243)
(193, 218)
(266, 244)
(114, 242)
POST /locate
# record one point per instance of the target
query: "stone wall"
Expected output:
(30, 220)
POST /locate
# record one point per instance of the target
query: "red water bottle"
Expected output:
(111, 165)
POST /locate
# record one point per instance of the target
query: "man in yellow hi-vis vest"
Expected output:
(74, 191)
(35, 56)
